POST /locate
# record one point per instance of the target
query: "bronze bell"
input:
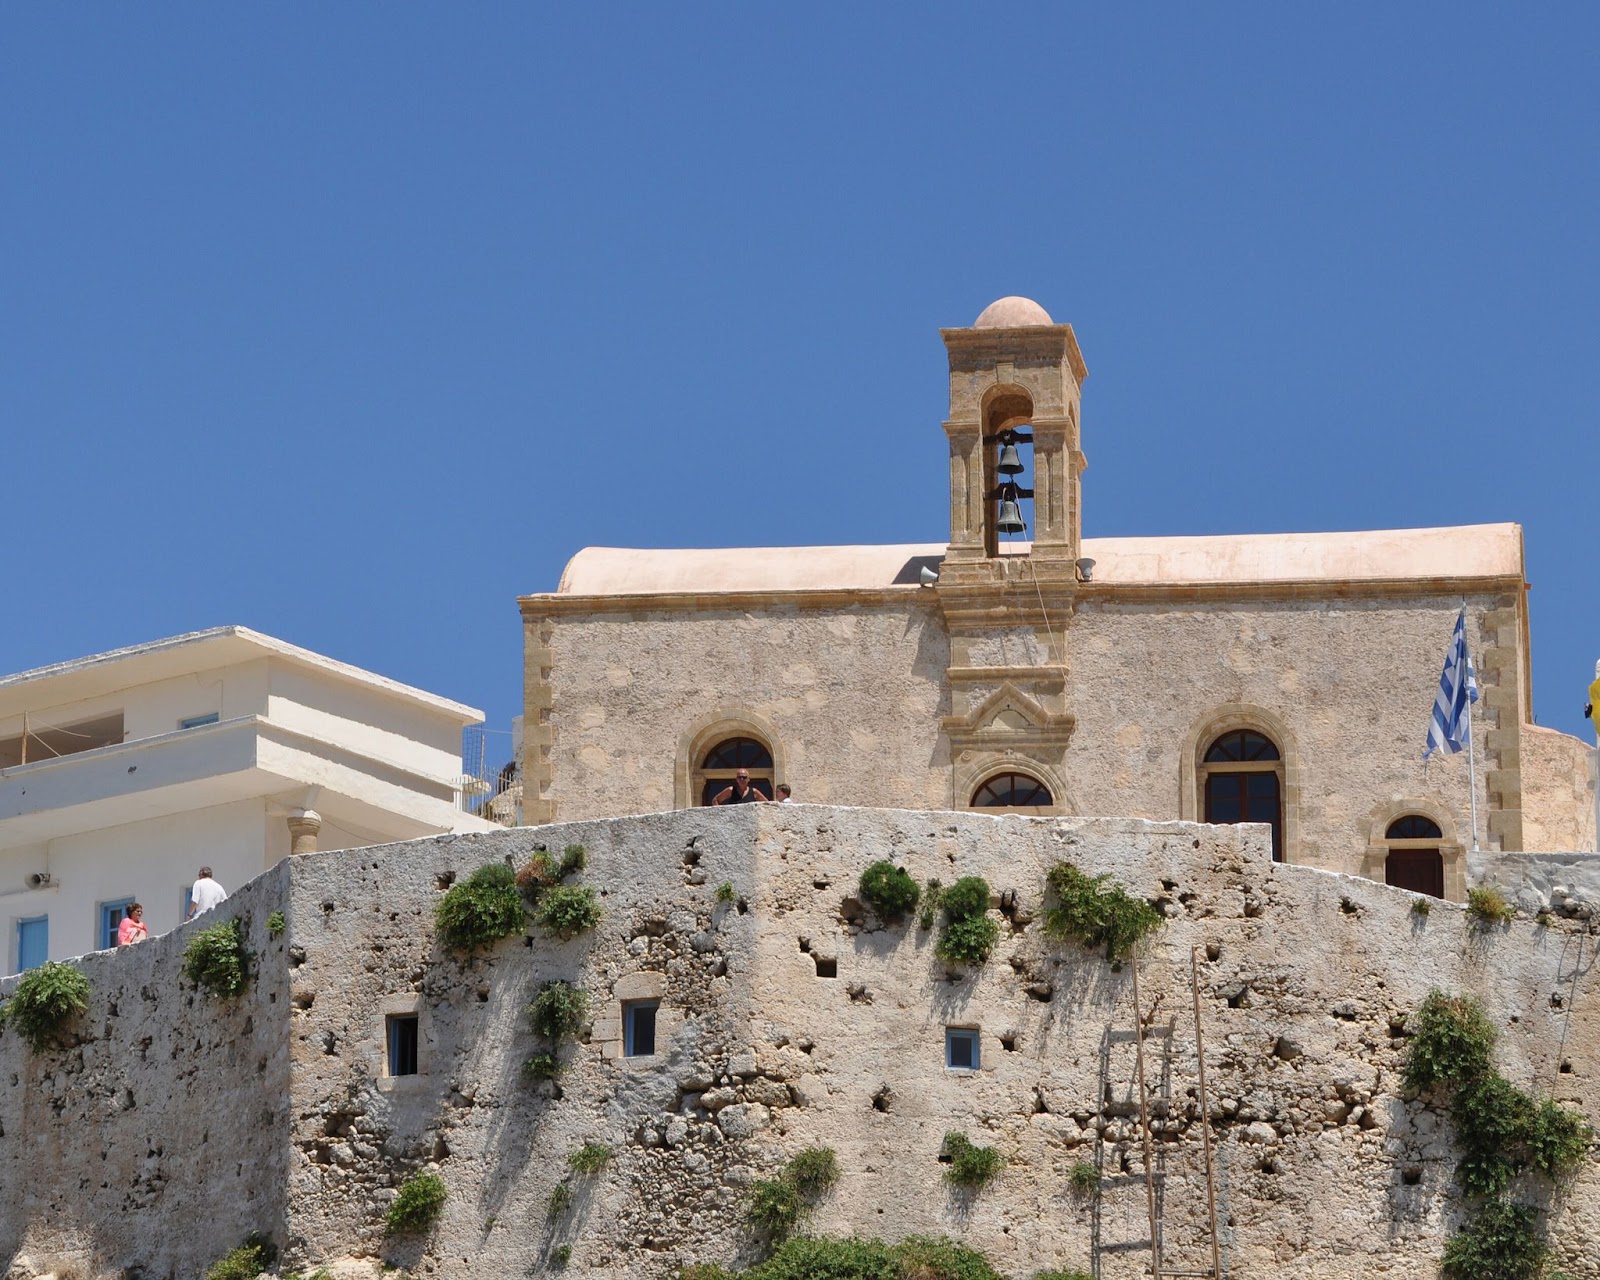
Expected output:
(1010, 520)
(1010, 464)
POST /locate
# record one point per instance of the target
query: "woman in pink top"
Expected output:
(132, 928)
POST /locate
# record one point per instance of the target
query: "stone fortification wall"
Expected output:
(793, 1018)
(155, 1138)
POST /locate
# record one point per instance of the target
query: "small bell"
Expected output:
(1009, 464)
(1010, 520)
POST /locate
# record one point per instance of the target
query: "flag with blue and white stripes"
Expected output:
(1451, 725)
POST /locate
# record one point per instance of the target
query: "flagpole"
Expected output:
(1472, 755)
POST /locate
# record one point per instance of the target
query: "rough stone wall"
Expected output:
(1324, 1169)
(1558, 792)
(156, 1138)
(791, 1017)
(853, 696)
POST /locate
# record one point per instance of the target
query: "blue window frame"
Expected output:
(33, 942)
(111, 915)
(194, 722)
(639, 1028)
(961, 1051)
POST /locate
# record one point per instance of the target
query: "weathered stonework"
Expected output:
(791, 1017)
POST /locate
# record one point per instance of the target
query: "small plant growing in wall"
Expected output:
(246, 1262)
(216, 959)
(1487, 905)
(568, 909)
(776, 1205)
(889, 890)
(276, 924)
(573, 858)
(560, 1200)
(1503, 1241)
(1093, 912)
(1420, 906)
(480, 910)
(1084, 1179)
(932, 892)
(971, 1166)
(558, 1010)
(968, 935)
(590, 1158)
(725, 896)
(418, 1205)
(46, 999)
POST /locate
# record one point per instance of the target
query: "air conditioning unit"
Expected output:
(39, 880)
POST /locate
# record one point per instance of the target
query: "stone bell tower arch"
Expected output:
(1014, 369)
(1009, 579)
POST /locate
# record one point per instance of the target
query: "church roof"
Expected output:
(1464, 551)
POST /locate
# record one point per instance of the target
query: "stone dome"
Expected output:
(1012, 313)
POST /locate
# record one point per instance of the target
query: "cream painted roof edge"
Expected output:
(1461, 551)
(264, 645)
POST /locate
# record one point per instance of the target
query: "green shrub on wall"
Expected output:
(558, 1010)
(418, 1205)
(889, 890)
(568, 909)
(216, 959)
(914, 1258)
(1500, 1131)
(246, 1262)
(481, 909)
(971, 1166)
(46, 999)
(776, 1205)
(1093, 912)
(968, 935)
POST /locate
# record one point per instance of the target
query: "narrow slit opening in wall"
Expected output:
(402, 1029)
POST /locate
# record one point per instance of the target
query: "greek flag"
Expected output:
(1451, 725)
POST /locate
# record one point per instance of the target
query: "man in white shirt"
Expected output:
(207, 893)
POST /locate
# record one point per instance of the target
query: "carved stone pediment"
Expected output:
(1009, 718)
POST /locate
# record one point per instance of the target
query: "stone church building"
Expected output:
(1277, 678)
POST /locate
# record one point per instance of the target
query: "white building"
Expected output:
(122, 773)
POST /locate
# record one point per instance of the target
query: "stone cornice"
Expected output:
(1051, 341)
(1007, 600)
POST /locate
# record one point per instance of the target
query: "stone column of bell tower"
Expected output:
(1007, 603)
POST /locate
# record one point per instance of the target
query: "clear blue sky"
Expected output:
(351, 323)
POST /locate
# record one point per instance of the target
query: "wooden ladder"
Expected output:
(1158, 1270)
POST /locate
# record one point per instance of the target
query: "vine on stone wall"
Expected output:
(1093, 912)
(1502, 1133)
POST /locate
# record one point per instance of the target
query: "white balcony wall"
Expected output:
(154, 861)
(367, 722)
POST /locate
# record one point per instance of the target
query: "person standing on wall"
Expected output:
(207, 893)
(132, 927)
(739, 792)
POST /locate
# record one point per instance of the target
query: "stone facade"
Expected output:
(791, 1017)
(1102, 669)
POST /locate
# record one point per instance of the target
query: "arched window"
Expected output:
(1241, 778)
(726, 759)
(1012, 791)
(1415, 861)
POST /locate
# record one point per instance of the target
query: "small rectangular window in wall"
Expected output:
(639, 1028)
(402, 1044)
(111, 915)
(33, 942)
(961, 1048)
(194, 722)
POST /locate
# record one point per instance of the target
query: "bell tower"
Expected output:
(1009, 579)
(1015, 379)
